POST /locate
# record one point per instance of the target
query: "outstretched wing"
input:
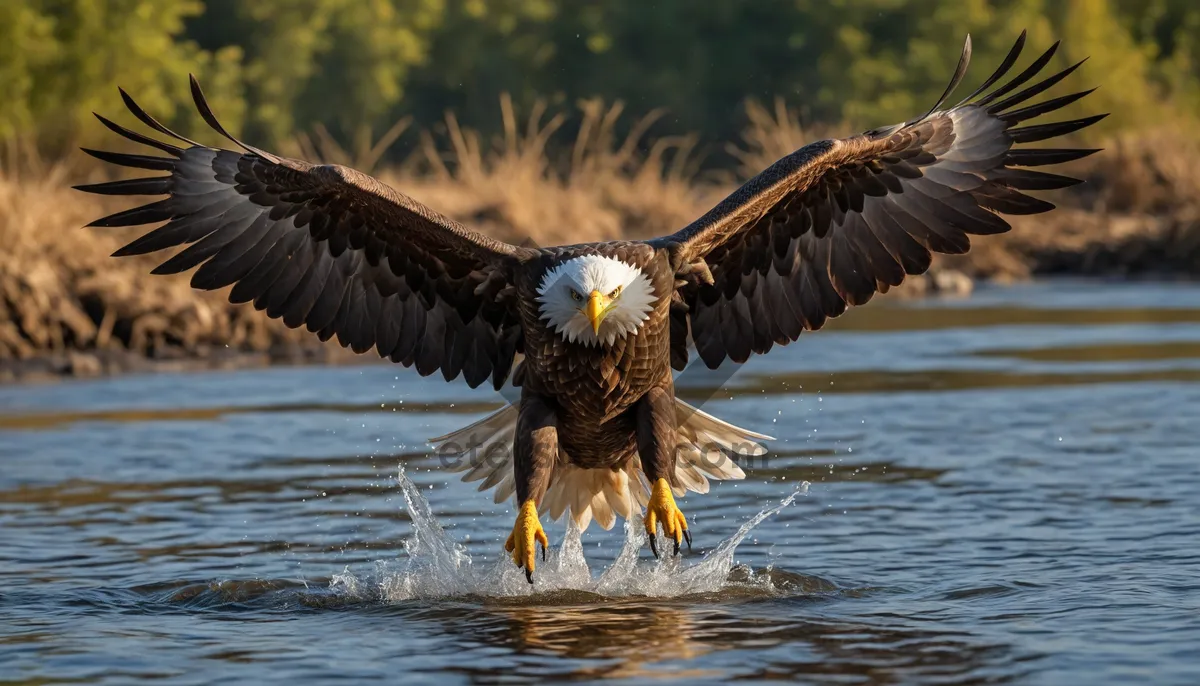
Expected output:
(839, 220)
(326, 247)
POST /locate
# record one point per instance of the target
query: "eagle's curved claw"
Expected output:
(662, 508)
(526, 534)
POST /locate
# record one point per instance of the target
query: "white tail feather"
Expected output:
(484, 451)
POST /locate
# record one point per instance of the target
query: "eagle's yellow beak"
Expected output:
(596, 308)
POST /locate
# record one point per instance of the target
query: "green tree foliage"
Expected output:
(1169, 32)
(343, 63)
(278, 67)
(63, 59)
(26, 45)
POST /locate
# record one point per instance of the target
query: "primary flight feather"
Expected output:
(590, 332)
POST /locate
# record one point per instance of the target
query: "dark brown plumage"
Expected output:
(839, 220)
(596, 386)
(828, 226)
(325, 247)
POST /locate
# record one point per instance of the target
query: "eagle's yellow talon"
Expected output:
(662, 509)
(526, 534)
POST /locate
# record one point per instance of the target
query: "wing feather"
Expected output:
(321, 246)
(837, 221)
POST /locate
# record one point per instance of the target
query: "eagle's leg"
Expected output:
(535, 450)
(656, 447)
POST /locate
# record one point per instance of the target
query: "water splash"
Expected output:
(436, 566)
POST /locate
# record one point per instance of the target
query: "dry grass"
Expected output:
(364, 155)
(605, 186)
(771, 133)
(1138, 213)
(1151, 172)
(60, 291)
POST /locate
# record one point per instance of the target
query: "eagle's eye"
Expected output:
(616, 291)
(576, 295)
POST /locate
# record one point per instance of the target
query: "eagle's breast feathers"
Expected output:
(597, 373)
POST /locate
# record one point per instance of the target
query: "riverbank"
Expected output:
(67, 308)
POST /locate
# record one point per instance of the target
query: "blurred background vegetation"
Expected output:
(353, 68)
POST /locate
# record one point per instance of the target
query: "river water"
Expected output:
(1004, 488)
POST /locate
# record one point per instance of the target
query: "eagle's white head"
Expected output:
(595, 299)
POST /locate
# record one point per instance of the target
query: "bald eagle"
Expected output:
(590, 333)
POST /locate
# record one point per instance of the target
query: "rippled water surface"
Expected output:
(1004, 488)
